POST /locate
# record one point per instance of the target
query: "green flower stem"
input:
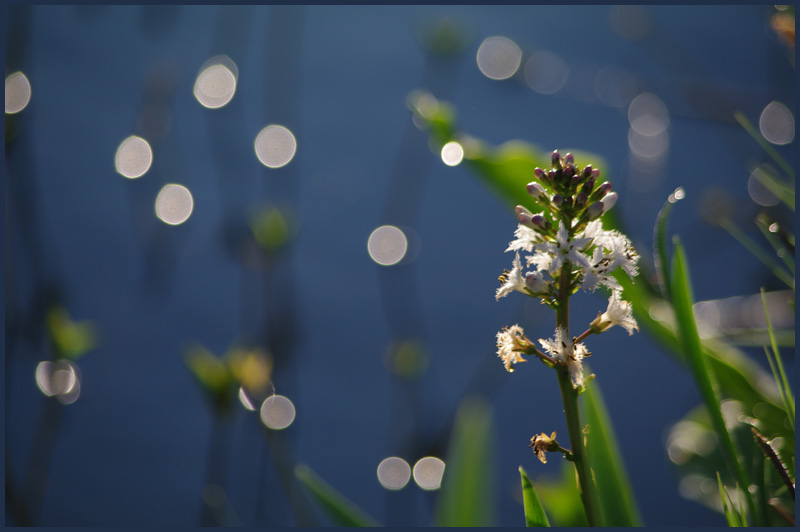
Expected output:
(569, 396)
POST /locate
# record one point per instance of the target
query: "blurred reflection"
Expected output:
(245, 400)
(275, 146)
(423, 102)
(688, 438)
(18, 92)
(428, 473)
(387, 245)
(216, 83)
(615, 87)
(452, 153)
(546, 72)
(631, 22)
(174, 204)
(648, 115)
(134, 157)
(499, 58)
(707, 318)
(648, 146)
(60, 379)
(777, 124)
(758, 192)
(394, 473)
(277, 412)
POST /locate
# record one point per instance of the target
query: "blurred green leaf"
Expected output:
(561, 499)
(613, 486)
(271, 228)
(534, 513)
(467, 495)
(734, 518)
(682, 299)
(70, 339)
(336, 506)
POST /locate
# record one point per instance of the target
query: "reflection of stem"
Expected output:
(216, 466)
(284, 462)
(569, 396)
(41, 457)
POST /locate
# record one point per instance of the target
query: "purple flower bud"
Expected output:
(569, 159)
(587, 171)
(535, 190)
(576, 179)
(555, 158)
(580, 200)
(551, 175)
(569, 170)
(595, 210)
(519, 209)
(539, 173)
(601, 191)
(540, 221)
(609, 201)
(587, 187)
(558, 199)
(595, 173)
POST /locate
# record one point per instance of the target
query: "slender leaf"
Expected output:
(660, 242)
(780, 374)
(467, 497)
(780, 249)
(731, 515)
(745, 123)
(613, 487)
(534, 513)
(681, 298)
(768, 260)
(338, 508)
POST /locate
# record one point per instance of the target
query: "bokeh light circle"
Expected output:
(428, 473)
(452, 153)
(277, 412)
(387, 245)
(18, 92)
(275, 146)
(498, 58)
(134, 157)
(174, 204)
(394, 473)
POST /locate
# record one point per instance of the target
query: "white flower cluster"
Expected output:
(595, 252)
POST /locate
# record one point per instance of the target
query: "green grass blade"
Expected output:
(745, 123)
(341, 511)
(534, 513)
(467, 497)
(613, 487)
(780, 376)
(682, 300)
(753, 248)
(777, 245)
(660, 242)
(781, 191)
(730, 515)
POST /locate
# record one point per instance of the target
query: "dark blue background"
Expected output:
(133, 449)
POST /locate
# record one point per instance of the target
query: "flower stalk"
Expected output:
(568, 250)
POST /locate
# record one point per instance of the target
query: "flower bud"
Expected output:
(569, 170)
(580, 199)
(555, 158)
(557, 200)
(569, 159)
(540, 221)
(601, 191)
(524, 216)
(587, 187)
(535, 190)
(587, 171)
(595, 210)
(551, 175)
(539, 173)
(609, 201)
(595, 173)
(576, 179)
